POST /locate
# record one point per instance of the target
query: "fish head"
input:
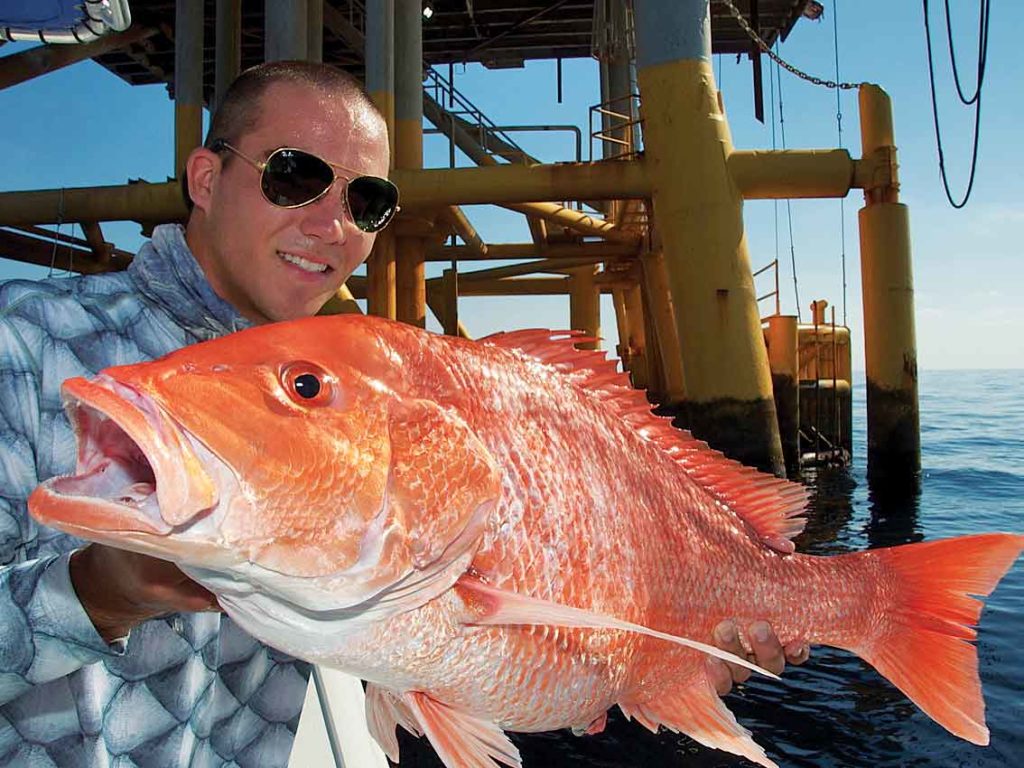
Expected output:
(286, 458)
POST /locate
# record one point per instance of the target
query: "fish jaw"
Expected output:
(138, 477)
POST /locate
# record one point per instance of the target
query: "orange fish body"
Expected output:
(495, 535)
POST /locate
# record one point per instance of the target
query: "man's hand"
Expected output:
(120, 589)
(768, 653)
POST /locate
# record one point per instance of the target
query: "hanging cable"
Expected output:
(789, 203)
(982, 53)
(976, 99)
(775, 201)
(839, 124)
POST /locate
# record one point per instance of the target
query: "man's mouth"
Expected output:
(303, 263)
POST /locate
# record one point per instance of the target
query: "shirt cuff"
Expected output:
(60, 613)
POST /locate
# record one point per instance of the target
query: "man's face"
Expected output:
(275, 263)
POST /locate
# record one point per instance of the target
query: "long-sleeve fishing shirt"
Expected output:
(188, 690)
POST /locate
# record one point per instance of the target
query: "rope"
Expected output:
(839, 125)
(976, 99)
(56, 239)
(774, 57)
(789, 206)
(775, 201)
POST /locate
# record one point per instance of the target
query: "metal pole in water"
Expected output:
(887, 284)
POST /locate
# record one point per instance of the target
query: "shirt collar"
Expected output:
(166, 271)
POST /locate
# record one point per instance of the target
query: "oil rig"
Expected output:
(656, 220)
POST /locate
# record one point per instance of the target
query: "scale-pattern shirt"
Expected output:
(188, 690)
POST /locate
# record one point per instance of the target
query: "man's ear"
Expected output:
(201, 171)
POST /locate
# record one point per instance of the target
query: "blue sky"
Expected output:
(82, 126)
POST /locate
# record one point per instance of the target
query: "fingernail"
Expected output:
(760, 632)
(726, 633)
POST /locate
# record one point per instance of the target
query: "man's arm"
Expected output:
(48, 631)
(120, 589)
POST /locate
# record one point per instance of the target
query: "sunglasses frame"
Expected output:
(261, 166)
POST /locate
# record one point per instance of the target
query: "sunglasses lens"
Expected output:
(292, 177)
(372, 202)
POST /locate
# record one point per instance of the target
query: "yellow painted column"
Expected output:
(636, 335)
(887, 285)
(585, 304)
(781, 339)
(668, 360)
(410, 252)
(188, 81)
(381, 297)
(699, 212)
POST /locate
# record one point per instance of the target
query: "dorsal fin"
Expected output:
(771, 506)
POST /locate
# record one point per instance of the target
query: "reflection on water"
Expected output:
(835, 711)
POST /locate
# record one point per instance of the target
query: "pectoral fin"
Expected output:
(491, 606)
(461, 740)
(699, 712)
(384, 711)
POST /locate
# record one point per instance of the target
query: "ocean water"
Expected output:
(835, 710)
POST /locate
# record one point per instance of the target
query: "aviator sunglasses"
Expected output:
(292, 178)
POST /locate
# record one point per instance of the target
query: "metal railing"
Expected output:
(616, 116)
(462, 107)
(775, 292)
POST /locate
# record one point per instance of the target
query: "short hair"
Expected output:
(240, 110)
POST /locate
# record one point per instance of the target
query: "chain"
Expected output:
(778, 60)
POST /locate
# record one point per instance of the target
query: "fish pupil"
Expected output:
(307, 385)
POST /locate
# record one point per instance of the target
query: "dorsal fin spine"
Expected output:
(770, 505)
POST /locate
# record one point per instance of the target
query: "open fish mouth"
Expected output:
(136, 469)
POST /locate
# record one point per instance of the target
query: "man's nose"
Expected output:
(327, 219)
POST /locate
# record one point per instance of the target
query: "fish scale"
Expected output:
(527, 547)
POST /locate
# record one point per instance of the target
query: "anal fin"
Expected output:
(492, 606)
(699, 712)
(461, 740)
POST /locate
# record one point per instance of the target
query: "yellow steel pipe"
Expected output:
(637, 335)
(410, 275)
(890, 353)
(127, 202)
(343, 302)
(501, 251)
(767, 175)
(658, 307)
(576, 221)
(500, 184)
(781, 338)
(585, 304)
(516, 286)
(887, 284)
(464, 228)
(381, 295)
(19, 67)
(699, 212)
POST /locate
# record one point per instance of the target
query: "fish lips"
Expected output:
(136, 472)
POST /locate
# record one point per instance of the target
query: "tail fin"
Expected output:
(924, 646)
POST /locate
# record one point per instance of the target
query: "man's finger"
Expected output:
(767, 649)
(719, 675)
(797, 652)
(727, 638)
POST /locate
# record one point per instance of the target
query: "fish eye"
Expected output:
(308, 384)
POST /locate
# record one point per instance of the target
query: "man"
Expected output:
(113, 658)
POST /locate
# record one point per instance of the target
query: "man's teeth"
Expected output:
(306, 264)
